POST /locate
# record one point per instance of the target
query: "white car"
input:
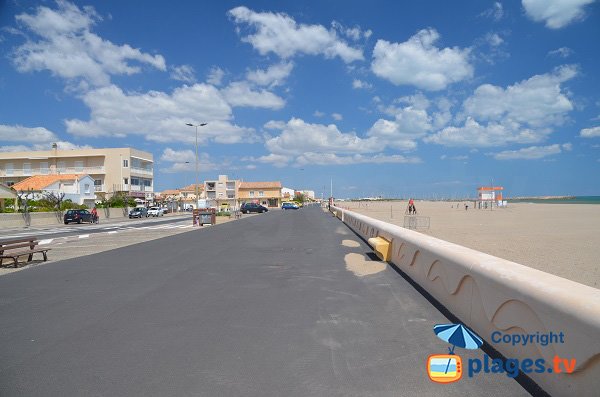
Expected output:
(155, 211)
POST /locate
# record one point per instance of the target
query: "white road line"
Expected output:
(113, 232)
(46, 241)
(84, 235)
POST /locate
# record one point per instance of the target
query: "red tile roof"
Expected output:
(39, 182)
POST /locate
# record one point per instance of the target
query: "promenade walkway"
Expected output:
(280, 304)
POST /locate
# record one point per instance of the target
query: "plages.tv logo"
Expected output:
(447, 368)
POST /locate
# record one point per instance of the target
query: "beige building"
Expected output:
(265, 193)
(222, 193)
(113, 170)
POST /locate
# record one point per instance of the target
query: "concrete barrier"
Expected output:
(493, 294)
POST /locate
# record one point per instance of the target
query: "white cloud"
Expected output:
(280, 34)
(183, 73)
(563, 52)
(275, 125)
(274, 75)
(240, 94)
(593, 132)
(419, 63)
(494, 39)
(299, 137)
(496, 12)
(215, 76)
(318, 114)
(536, 101)
(358, 84)
(355, 33)
(159, 116)
(62, 145)
(301, 143)
(18, 133)
(312, 158)
(185, 161)
(457, 158)
(556, 13)
(529, 153)
(473, 134)
(409, 125)
(337, 116)
(276, 160)
(67, 47)
(525, 112)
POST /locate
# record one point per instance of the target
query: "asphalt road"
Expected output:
(54, 231)
(264, 306)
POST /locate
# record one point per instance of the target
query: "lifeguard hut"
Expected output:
(490, 196)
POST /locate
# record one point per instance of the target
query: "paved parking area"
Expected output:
(80, 242)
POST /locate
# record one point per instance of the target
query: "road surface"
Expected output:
(265, 306)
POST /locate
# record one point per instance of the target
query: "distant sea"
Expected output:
(566, 200)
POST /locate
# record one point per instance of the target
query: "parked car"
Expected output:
(289, 206)
(138, 212)
(253, 207)
(78, 216)
(155, 211)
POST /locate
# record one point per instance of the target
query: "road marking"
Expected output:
(113, 232)
(84, 235)
(46, 241)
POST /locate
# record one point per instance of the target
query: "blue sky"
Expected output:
(384, 97)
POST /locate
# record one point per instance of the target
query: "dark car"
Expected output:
(253, 207)
(138, 212)
(78, 216)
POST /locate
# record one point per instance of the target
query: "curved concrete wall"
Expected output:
(493, 294)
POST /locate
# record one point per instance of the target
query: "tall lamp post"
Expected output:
(196, 186)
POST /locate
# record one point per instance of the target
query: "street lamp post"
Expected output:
(196, 186)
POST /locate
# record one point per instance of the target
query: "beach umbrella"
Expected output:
(458, 335)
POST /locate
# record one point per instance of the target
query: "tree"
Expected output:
(55, 200)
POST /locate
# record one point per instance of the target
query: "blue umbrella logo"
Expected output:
(458, 335)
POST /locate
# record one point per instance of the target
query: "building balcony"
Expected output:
(141, 171)
(99, 188)
(49, 171)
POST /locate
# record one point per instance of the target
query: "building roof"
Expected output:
(6, 192)
(170, 192)
(260, 185)
(192, 188)
(39, 182)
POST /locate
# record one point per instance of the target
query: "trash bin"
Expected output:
(204, 216)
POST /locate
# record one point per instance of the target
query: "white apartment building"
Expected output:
(114, 170)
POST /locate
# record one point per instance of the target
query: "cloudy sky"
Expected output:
(383, 97)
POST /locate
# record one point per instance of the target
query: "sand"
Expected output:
(562, 239)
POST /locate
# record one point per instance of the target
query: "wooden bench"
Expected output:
(21, 247)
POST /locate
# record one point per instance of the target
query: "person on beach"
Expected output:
(411, 207)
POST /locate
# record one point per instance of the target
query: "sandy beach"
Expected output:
(562, 239)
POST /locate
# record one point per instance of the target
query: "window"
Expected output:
(61, 166)
(261, 193)
(97, 182)
(251, 193)
(9, 168)
(86, 188)
(44, 167)
(9, 183)
(26, 168)
(135, 181)
(125, 163)
(78, 166)
(125, 181)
